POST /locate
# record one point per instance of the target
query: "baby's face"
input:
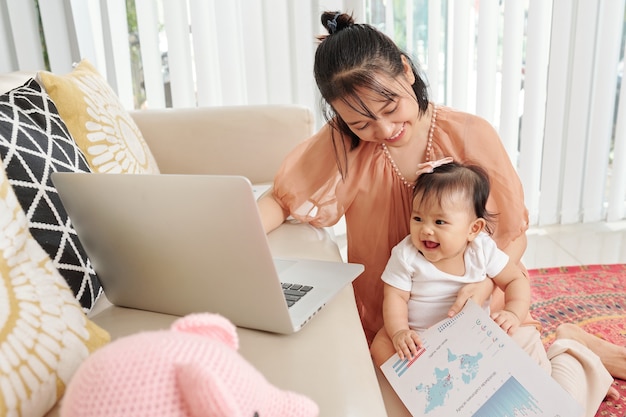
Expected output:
(441, 228)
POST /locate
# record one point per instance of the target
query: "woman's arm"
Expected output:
(516, 249)
(272, 214)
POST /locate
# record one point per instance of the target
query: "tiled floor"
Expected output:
(579, 244)
(564, 245)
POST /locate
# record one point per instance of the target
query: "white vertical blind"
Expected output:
(602, 107)
(87, 18)
(558, 97)
(231, 55)
(460, 52)
(277, 51)
(147, 27)
(177, 28)
(578, 108)
(205, 52)
(258, 49)
(390, 26)
(410, 24)
(487, 50)
(116, 41)
(535, 94)
(511, 75)
(56, 32)
(357, 8)
(347, 6)
(302, 49)
(547, 83)
(616, 209)
(434, 50)
(8, 59)
(25, 33)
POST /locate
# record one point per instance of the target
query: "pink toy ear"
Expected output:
(203, 393)
(208, 324)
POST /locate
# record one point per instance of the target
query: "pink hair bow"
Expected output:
(428, 167)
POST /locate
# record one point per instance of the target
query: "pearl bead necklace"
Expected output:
(429, 147)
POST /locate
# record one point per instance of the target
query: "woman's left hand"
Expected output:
(479, 292)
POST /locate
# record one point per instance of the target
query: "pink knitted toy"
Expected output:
(192, 370)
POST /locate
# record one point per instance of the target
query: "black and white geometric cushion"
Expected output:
(34, 142)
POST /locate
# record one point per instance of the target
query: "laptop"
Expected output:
(180, 244)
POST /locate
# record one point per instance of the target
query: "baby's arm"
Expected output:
(516, 289)
(396, 318)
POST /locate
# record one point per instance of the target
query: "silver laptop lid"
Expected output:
(178, 244)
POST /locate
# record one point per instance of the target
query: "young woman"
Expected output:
(362, 165)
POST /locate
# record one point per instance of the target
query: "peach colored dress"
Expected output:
(377, 204)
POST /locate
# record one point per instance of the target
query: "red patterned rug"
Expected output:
(593, 297)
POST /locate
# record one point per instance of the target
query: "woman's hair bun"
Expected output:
(336, 21)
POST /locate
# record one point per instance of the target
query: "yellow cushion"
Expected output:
(44, 334)
(96, 119)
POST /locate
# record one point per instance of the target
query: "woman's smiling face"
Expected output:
(376, 118)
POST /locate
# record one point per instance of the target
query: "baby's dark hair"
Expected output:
(349, 58)
(453, 177)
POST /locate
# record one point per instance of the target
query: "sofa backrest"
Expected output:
(10, 80)
(238, 140)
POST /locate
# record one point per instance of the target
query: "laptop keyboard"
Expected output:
(294, 292)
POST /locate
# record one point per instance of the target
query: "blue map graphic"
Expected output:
(462, 369)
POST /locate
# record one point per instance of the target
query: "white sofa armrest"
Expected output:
(240, 140)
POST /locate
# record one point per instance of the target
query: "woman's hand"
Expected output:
(479, 292)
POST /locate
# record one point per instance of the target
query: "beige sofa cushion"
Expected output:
(100, 125)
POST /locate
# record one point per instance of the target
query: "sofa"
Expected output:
(245, 140)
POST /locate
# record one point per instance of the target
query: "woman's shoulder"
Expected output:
(456, 114)
(461, 124)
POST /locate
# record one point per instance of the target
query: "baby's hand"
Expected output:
(406, 342)
(507, 320)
